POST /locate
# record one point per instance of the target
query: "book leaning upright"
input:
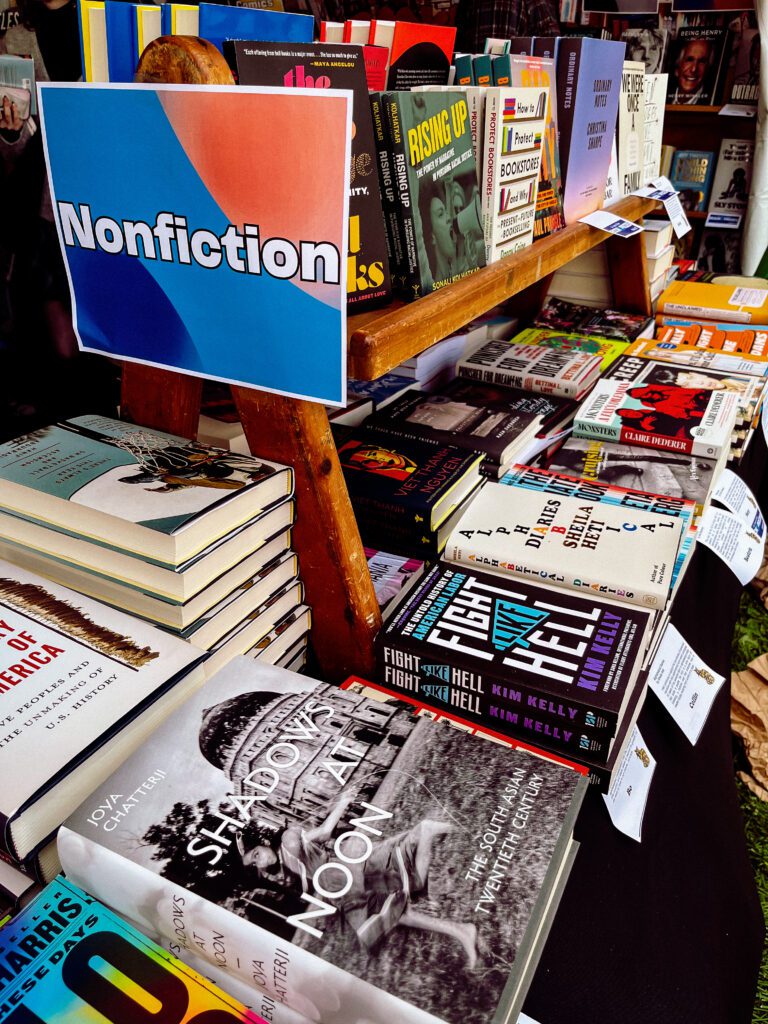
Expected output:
(294, 835)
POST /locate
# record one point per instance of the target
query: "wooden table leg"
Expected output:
(161, 399)
(345, 612)
(629, 273)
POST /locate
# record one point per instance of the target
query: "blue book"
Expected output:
(692, 171)
(219, 22)
(130, 28)
(382, 390)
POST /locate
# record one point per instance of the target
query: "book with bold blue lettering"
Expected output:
(48, 955)
(577, 541)
(323, 843)
(220, 21)
(547, 666)
(81, 685)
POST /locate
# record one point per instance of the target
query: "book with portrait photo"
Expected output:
(746, 72)
(697, 65)
(340, 840)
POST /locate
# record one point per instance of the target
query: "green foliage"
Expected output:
(750, 637)
(755, 813)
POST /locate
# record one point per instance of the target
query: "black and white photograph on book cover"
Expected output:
(353, 829)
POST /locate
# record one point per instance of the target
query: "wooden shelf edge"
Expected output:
(381, 340)
(691, 108)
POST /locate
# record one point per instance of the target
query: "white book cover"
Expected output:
(538, 368)
(630, 128)
(619, 553)
(654, 98)
(514, 130)
(73, 673)
(612, 192)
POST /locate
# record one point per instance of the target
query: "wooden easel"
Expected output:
(338, 586)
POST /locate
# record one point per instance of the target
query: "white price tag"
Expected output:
(630, 787)
(729, 221)
(748, 297)
(677, 215)
(738, 545)
(684, 684)
(731, 491)
(738, 110)
(525, 1019)
(614, 225)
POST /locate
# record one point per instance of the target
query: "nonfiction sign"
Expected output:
(204, 229)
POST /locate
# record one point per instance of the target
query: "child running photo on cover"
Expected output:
(383, 884)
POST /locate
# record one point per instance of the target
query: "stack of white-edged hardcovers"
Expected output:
(192, 538)
(81, 686)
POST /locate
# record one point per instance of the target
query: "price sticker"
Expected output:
(614, 225)
(628, 795)
(684, 684)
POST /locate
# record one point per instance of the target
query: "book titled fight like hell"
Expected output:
(548, 666)
(327, 846)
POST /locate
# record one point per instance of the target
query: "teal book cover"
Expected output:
(692, 171)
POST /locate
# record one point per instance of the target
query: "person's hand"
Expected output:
(9, 116)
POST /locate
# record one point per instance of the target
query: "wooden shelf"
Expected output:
(692, 108)
(381, 340)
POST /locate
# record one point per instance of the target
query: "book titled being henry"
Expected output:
(328, 846)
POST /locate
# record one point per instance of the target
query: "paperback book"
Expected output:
(620, 552)
(309, 827)
(392, 576)
(697, 65)
(561, 315)
(718, 302)
(420, 54)
(730, 188)
(545, 369)
(606, 348)
(630, 128)
(676, 419)
(691, 175)
(654, 96)
(746, 72)
(492, 651)
(726, 347)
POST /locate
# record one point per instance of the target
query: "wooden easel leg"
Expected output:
(345, 612)
(161, 399)
(629, 274)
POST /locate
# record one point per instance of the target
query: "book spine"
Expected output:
(525, 381)
(232, 943)
(395, 525)
(387, 188)
(488, 177)
(516, 709)
(411, 283)
(568, 60)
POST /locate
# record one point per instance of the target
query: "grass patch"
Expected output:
(750, 637)
(755, 813)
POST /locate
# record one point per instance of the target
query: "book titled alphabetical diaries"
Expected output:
(329, 842)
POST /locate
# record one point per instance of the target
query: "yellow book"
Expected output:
(726, 302)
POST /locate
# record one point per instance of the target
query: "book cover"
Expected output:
(473, 415)
(620, 553)
(482, 69)
(219, 22)
(389, 187)
(464, 74)
(382, 390)
(654, 96)
(325, 66)
(730, 187)
(420, 55)
(718, 302)
(336, 837)
(741, 352)
(436, 183)
(672, 474)
(610, 324)
(92, 22)
(607, 349)
(676, 419)
(746, 73)
(630, 128)
(720, 251)
(647, 44)
(512, 150)
(392, 575)
(20, 73)
(180, 19)
(134, 489)
(588, 86)
(545, 369)
(494, 650)
(130, 27)
(697, 63)
(402, 490)
(53, 979)
(74, 676)
(692, 171)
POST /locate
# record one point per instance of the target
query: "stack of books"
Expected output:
(191, 538)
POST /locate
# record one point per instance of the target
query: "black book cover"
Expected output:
(388, 191)
(473, 415)
(697, 65)
(329, 66)
(395, 486)
(500, 651)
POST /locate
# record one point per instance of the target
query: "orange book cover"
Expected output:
(420, 55)
(727, 302)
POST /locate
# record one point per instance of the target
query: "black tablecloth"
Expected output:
(668, 930)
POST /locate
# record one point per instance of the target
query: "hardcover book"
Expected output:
(136, 490)
(479, 417)
(392, 576)
(697, 64)
(420, 55)
(621, 552)
(746, 73)
(730, 188)
(53, 978)
(691, 420)
(532, 367)
(436, 186)
(674, 475)
(514, 130)
(588, 86)
(80, 687)
(319, 830)
(649, 45)
(492, 650)
(606, 348)
(403, 490)
(325, 66)
(654, 96)
(691, 175)
(220, 21)
(561, 315)
(630, 128)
